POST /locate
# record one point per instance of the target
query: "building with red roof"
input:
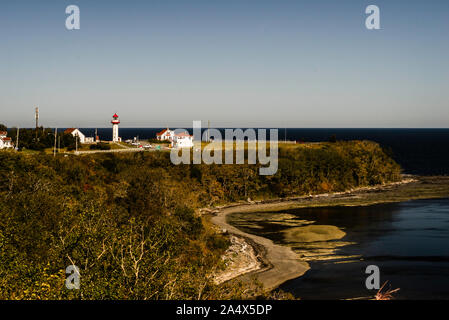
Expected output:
(5, 142)
(76, 133)
(182, 140)
(165, 135)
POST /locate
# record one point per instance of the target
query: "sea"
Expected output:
(408, 242)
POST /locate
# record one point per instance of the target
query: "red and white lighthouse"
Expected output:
(115, 122)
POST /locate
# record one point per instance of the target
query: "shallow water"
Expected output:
(408, 241)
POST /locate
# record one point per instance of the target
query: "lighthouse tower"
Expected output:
(115, 122)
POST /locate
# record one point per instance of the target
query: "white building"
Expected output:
(165, 135)
(115, 122)
(5, 142)
(76, 133)
(182, 140)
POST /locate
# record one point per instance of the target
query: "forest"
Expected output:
(130, 222)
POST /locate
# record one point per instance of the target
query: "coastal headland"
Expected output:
(62, 210)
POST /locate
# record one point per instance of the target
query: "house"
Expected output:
(182, 140)
(5, 142)
(165, 134)
(76, 133)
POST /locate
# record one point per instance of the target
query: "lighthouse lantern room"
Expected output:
(115, 122)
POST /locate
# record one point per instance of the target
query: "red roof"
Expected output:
(115, 115)
(3, 133)
(183, 134)
(162, 132)
(7, 139)
(70, 130)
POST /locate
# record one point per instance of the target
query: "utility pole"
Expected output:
(37, 117)
(37, 120)
(208, 130)
(56, 136)
(17, 139)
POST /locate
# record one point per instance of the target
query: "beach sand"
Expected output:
(272, 264)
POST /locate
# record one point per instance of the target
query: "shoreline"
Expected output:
(280, 263)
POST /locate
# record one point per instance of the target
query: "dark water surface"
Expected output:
(408, 241)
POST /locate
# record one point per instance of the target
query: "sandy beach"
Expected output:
(281, 263)
(274, 264)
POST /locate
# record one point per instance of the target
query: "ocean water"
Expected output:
(408, 241)
(418, 151)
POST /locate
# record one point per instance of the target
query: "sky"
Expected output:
(236, 63)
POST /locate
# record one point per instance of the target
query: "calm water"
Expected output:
(408, 241)
(419, 151)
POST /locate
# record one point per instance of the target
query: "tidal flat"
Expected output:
(317, 241)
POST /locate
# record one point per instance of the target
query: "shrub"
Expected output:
(100, 146)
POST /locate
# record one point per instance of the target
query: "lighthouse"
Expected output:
(115, 122)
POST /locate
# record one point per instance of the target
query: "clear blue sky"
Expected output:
(236, 63)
